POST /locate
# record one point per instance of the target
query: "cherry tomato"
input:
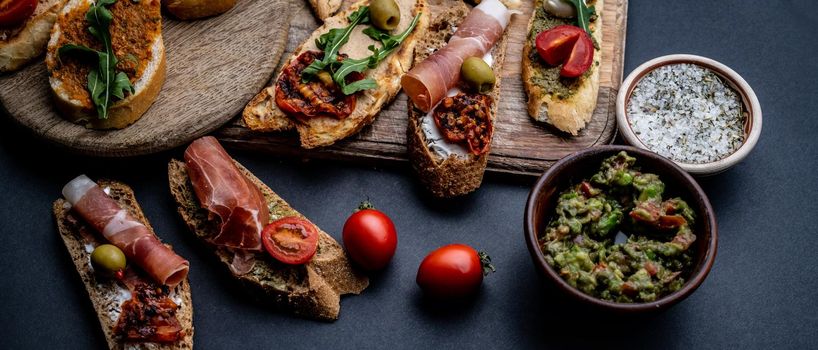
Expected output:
(14, 12)
(370, 239)
(454, 270)
(567, 45)
(291, 240)
(580, 59)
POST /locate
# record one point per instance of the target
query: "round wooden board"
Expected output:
(215, 66)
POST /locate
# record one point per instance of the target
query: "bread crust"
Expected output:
(76, 234)
(30, 42)
(325, 8)
(452, 176)
(262, 113)
(567, 114)
(122, 113)
(312, 290)
(195, 9)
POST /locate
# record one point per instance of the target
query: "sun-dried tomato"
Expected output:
(466, 118)
(318, 97)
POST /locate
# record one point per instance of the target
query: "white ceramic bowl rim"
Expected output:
(751, 100)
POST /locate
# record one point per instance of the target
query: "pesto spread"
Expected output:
(545, 76)
(586, 242)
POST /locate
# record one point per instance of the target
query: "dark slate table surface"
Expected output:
(761, 292)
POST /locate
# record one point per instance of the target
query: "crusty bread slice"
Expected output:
(325, 8)
(263, 114)
(312, 290)
(453, 175)
(194, 9)
(79, 238)
(22, 44)
(124, 112)
(569, 114)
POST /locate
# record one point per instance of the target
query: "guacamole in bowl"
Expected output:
(616, 238)
(621, 228)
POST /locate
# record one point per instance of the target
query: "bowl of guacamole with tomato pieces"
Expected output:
(621, 228)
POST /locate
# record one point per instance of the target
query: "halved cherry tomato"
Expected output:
(14, 12)
(580, 59)
(370, 239)
(291, 240)
(567, 45)
(454, 270)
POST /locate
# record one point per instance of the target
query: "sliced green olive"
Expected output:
(384, 14)
(477, 74)
(107, 259)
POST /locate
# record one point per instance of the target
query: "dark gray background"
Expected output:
(761, 292)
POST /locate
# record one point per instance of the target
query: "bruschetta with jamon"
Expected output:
(454, 91)
(25, 26)
(106, 61)
(561, 59)
(284, 259)
(339, 78)
(137, 284)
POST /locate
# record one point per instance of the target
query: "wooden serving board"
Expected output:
(520, 146)
(215, 66)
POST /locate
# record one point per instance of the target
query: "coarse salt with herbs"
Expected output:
(687, 113)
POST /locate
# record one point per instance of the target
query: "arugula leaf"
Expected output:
(104, 81)
(584, 14)
(389, 42)
(331, 41)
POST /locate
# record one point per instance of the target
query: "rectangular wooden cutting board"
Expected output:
(520, 146)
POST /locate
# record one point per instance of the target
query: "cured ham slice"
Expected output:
(427, 83)
(123, 230)
(224, 191)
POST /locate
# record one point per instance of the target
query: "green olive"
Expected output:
(107, 259)
(477, 74)
(384, 14)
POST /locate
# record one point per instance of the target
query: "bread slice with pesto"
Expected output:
(136, 40)
(262, 113)
(312, 290)
(445, 169)
(108, 294)
(566, 103)
(23, 43)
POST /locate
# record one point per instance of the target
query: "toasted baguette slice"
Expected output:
(194, 9)
(21, 44)
(68, 82)
(263, 114)
(569, 114)
(312, 290)
(106, 293)
(452, 175)
(325, 8)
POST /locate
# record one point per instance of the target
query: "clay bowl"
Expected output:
(750, 105)
(580, 165)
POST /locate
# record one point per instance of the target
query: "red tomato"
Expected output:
(581, 58)
(291, 240)
(370, 239)
(14, 12)
(454, 270)
(567, 45)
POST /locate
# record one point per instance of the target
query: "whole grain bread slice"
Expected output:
(453, 175)
(312, 290)
(80, 239)
(569, 114)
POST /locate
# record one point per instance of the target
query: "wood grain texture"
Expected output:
(520, 146)
(215, 66)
